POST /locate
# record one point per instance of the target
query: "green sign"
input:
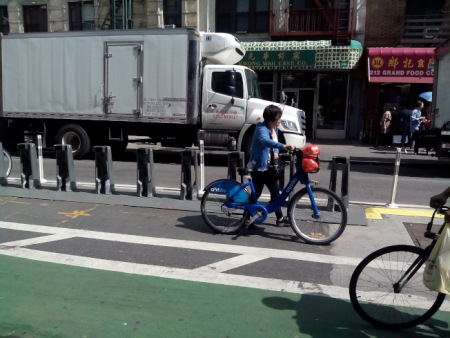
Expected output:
(279, 59)
(304, 55)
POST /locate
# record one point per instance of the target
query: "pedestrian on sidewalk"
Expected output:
(405, 117)
(385, 127)
(415, 121)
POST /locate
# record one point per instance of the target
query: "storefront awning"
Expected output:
(404, 65)
(302, 55)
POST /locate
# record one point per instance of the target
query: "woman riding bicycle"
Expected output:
(440, 199)
(265, 149)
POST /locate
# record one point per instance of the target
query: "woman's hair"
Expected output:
(419, 103)
(272, 113)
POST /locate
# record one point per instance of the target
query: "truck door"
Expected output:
(223, 109)
(123, 78)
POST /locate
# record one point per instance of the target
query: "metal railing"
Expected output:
(332, 23)
(425, 29)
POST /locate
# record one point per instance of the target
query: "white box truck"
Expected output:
(99, 87)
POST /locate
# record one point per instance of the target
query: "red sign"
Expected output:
(405, 65)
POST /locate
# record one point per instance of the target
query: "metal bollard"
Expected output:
(340, 163)
(3, 179)
(145, 168)
(65, 174)
(29, 169)
(104, 182)
(189, 190)
(236, 159)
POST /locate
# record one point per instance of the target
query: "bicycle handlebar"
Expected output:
(440, 209)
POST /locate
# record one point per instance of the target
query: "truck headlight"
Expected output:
(289, 125)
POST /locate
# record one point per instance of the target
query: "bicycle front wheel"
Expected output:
(216, 214)
(7, 161)
(325, 228)
(378, 296)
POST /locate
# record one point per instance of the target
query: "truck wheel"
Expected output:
(247, 146)
(119, 147)
(76, 136)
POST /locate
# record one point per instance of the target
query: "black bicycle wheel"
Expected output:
(324, 229)
(219, 217)
(7, 161)
(373, 294)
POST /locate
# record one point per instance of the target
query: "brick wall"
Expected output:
(384, 22)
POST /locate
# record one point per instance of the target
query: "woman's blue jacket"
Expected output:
(261, 145)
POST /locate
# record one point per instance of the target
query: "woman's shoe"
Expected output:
(283, 222)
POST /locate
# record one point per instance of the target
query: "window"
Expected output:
(4, 21)
(35, 18)
(81, 16)
(220, 82)
(172, 12)
(242, 16)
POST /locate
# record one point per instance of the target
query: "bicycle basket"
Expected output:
(309, 159)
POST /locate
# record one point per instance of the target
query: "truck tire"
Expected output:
(247, 146)
(76, 136)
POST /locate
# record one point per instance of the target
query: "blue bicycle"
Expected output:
(317, 215)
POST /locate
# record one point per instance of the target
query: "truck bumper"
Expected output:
(298, 141)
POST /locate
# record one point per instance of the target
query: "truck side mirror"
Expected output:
(231, 82)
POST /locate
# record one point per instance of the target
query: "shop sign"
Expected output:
(401, 65)
(306, 55)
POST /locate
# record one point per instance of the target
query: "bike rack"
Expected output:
(343, 164)
(104, 182)
(3, 179)
(145, 168)
(189, 189)
(236, 159)
(65, 174)
(29, 169)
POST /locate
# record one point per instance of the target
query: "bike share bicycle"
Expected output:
(387, 290)
(317, 215)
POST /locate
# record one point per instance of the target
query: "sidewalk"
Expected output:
(368, 153)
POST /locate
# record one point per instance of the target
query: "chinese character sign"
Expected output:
(405, 65)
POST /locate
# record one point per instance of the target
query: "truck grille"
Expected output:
(301, 121)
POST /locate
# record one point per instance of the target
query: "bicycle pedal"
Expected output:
(312, 182)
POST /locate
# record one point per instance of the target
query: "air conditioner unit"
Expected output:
(431, 33)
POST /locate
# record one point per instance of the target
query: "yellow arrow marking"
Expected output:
(376, 213)
(76, 213)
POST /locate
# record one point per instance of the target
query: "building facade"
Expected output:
(314, 54)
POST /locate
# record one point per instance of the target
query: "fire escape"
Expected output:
(323, 22)
(119, 15)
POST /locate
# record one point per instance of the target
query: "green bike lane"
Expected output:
(40, 299)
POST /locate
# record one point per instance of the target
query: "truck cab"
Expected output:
(232, 105)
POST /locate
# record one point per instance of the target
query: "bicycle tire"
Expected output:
(372, 289)
(325, 229)
(8, 160)
(216, 215)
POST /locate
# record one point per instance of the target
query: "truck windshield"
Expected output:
(252, 84)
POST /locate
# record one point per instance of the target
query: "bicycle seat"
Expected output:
(243, 171)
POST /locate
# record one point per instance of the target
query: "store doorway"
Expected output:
(302, 99)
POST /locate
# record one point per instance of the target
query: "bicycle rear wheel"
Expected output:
(373, 295)
(216, 214)
(7, 161)
(324, 229)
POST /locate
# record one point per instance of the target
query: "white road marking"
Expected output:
(213, 273)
